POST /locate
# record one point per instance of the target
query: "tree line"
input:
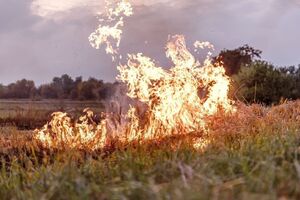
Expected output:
(64, 87)
(253, 81)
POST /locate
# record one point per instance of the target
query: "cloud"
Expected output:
(15, 15)
(45, 38)
(56, 9)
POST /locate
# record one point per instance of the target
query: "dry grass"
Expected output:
(253, 154)
(28, 114)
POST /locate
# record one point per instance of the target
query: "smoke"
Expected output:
(45, 38)
(50, 9)
(57, 9)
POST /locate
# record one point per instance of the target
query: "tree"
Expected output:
(67, 85)
(261, 82)
(22, 89)
(107, 90)
(232, 60)
(75, 91)
(88, 90)
(47, 91)
(63, 86)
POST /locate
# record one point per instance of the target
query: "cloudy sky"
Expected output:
(40, 39)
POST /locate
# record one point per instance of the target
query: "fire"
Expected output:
(177, 100)
(105, 33)
(172, 96)
(84, 134)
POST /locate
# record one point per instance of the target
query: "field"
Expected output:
(26, 114)
(252, 154)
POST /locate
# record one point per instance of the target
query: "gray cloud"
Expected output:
(40, 47)
(15, 15)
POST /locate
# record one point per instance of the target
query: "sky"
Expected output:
(40, 39)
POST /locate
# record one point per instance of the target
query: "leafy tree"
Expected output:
(47, 91)
(2, 91)
(263, 83)
(233, 60)
(63, 86)
(22, 89)
(107, 90)
(87, 90)
(67, 85)
(74, 94)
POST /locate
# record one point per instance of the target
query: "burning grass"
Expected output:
(188, 144)
(176, 101)
(28, 115)
(251, 154)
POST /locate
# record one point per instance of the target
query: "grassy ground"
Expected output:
(253, 154)
(28, 114)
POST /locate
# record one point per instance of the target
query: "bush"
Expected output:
(261, 82)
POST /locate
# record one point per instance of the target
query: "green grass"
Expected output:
(254, 154)
(263, 167)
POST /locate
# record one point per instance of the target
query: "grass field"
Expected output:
(252, 154)
(28, 114)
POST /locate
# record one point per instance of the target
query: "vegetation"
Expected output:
(258, 81)
(29, 115)
(233, 60)
(262, 82)
(252, 154)
(254, 81)
(63, 87)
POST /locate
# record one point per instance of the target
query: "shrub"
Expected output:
(261, 82)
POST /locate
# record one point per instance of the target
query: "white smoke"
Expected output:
(55, 9)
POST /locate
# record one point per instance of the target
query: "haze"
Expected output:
(40, 39)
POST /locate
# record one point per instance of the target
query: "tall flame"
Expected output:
(180, 98)
(177, 100)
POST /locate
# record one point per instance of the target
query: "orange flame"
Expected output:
(178, 100)
(61, 132)
(104, 33)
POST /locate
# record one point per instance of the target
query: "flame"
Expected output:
(177, 100)
(172, 96)
(110, 35)
(200, 144)
(84, 134)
